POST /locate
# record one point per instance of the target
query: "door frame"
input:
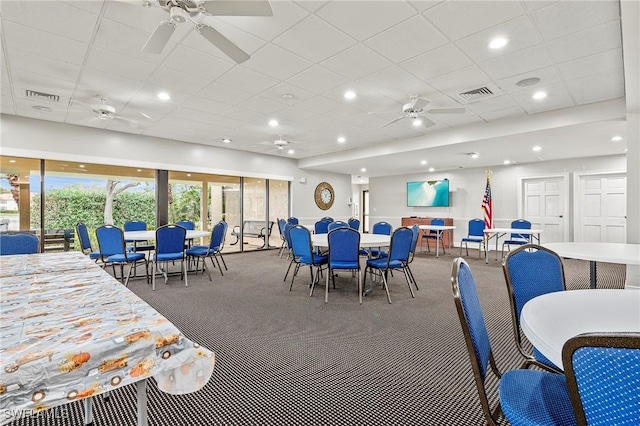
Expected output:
(567, 207)
(576, 194)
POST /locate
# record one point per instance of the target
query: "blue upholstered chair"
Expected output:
(397, 259)
(138, 225)
(85, 242)
(381, 228)
(189, 226)
(22, 243)
(322, 226)
(517, 239)
(337, 224)
(344, 244)
(212, 251)
(287, 236)
(603, 376)
(434, 235)
(527, 397)
(354, 223)
(113, 251)
(281, 225)
(170, 240)
(475, 234)
(294, 220)
(530, 271)
(303, 254)
(415, 230)
(327, 219)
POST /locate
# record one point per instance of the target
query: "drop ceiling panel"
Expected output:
(127, 40)
(247, 42)
(597, 63)
(89, 6)
(262, 105)
(407, 40)
(567, 17)
(119, 64)
(402, 84)
(492, 104)
(245, 79)
(318, 79)
(518, 62)
(319, 105)
(584, 43)
(598, 94)
(546, 75)
(356, 62)
(285, 16)
(205, 105)
(225, 94)
(511, 112)
(51, 68)
(276, 62)
(176, 80)
(280, 93)
(460, 81)
(557, 97)
(592, 82)
(137, 16)
(437, 62)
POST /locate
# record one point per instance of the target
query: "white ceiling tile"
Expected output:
(519, 62)
(599, 94)
(245, 79)
(317, 79)
(25, 80)
(454, 120)
(457, 19)
(407, 39)
(520, 32)
(587, 42)
(311, 5)
(278, 91)
(89, 6)
(193, 62)
(356, 62)
(140, 17)
(225, 94)
(344, 113)
(169, 79)
(40, 43)
(226, 122)
(537, 4)
(276, 62)
(546, 75)
(51, 68)
(557, 97)
(262, 105)
(285, 15)
(314, 40)
(245, 41)
(423, 5)
(460, 81)
(7, 106)
(119, 64)
(294, 114)
(208, 106)
(604, 61)
(493, 104)
(348, 15)
(592, 82)
(396, 83)
(566, 17)
(52, 17)
(319, 104)
(437, 62)
(515, 111)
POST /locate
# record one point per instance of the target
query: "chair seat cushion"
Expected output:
(94, 255)
(381, 263)
(318, 259)
(120, 258)
(199, 251)
(514, 241)
(543, 359)
(168, 256)
(530, 397)
(473, 239)
(344, 265)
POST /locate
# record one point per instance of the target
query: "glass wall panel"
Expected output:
(254, 209)
(19, 194)
(278, 207)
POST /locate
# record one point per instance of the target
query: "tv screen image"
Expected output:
(430, 193)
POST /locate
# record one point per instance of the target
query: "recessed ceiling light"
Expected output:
(188, 174)
(138, 170)
(528, 82)
(539, 95)
(291, 151)
(498, 42)
(164, 96)
(536, 148)
(431, 169)
(342, 139)
(287, 96)
(417, 122)
(474, 155)
(616, 138)
(81, 166)
(506, 162)
(226, 140)
(273, 123)
(349, 94)
(423, 162)
(12, 161)
(363, 169)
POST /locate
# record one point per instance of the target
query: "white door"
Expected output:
(603, 207)
(544, 206)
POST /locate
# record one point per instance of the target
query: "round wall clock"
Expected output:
(324, 195)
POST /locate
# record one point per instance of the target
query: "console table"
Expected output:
(447, 237)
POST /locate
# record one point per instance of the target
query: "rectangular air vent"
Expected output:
(32, 94)
(481, 93)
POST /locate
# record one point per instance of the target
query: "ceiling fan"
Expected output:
(103, 111)
(281, 144)
(196, 11)
(415, 110)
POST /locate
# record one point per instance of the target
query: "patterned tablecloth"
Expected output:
(68, 330)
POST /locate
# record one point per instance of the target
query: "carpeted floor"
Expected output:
(284, 358)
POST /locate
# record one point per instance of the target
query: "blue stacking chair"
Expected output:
(435, 235)
(22, 243)
(354, 223)
(415, 230)
(212, 251)
(397, 259)
(344, 244)
(517, 239)
(527, 397)
(531, 271)
(337, 224)
(113, 251)
(85, 242)
(381, 228)
(189, 226)
(603, 376)
(293, 220)
(138, 225)
(327, 219)
(281, 225)
(287, 237)
(322, 226)
(170, 240)
(303, 254)
(475, 234)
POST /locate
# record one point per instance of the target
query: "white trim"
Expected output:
(565, 187)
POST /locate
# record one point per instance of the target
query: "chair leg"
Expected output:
(184, 268)
(218, 262)
(384, 282)
(407, 272)
(223, 262)
(205, 267)
(413, 279)
(154, 265)
(295, 272)
(126, 282)
(288, 269)
(326, 287)
(360, 286)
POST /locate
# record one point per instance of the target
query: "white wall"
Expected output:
(25, 137)
(388, 196)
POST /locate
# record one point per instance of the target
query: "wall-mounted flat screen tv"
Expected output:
(430, 193)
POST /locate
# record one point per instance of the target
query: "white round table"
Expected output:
(366, 240)
(550, 320)
(628, 254)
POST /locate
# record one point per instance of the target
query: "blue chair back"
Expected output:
(322, 226)
(281, 224)
(18, 244)
(293, 220)
(218, 235)
(83, 236)
(135, 225)
(437, 222)
(301, 248)
(476, 228)
(287, 234)
(344, 247)
(186, 224)
(327, 218)
(400, 245)
(383, 228)
(603, 376)
(415, 230)
(354, 223)
(170, 239)
(110, 241)
(520, 224)
(337, 224)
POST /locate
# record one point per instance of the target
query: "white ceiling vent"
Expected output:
(480, 93)
(41, 96)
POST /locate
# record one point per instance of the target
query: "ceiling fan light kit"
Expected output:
(415, 110)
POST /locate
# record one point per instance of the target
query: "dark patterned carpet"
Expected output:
(284, 358)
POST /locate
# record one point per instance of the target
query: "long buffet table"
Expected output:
(71, 331)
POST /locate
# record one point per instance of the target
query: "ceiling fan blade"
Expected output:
(427, 123)
(159, 38)
(392, 121)
(238, 8)
(447, 111)
(147, 116)
(130, 122)
(420, 103)
(223, 43)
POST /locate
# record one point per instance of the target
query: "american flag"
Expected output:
(487, 206)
